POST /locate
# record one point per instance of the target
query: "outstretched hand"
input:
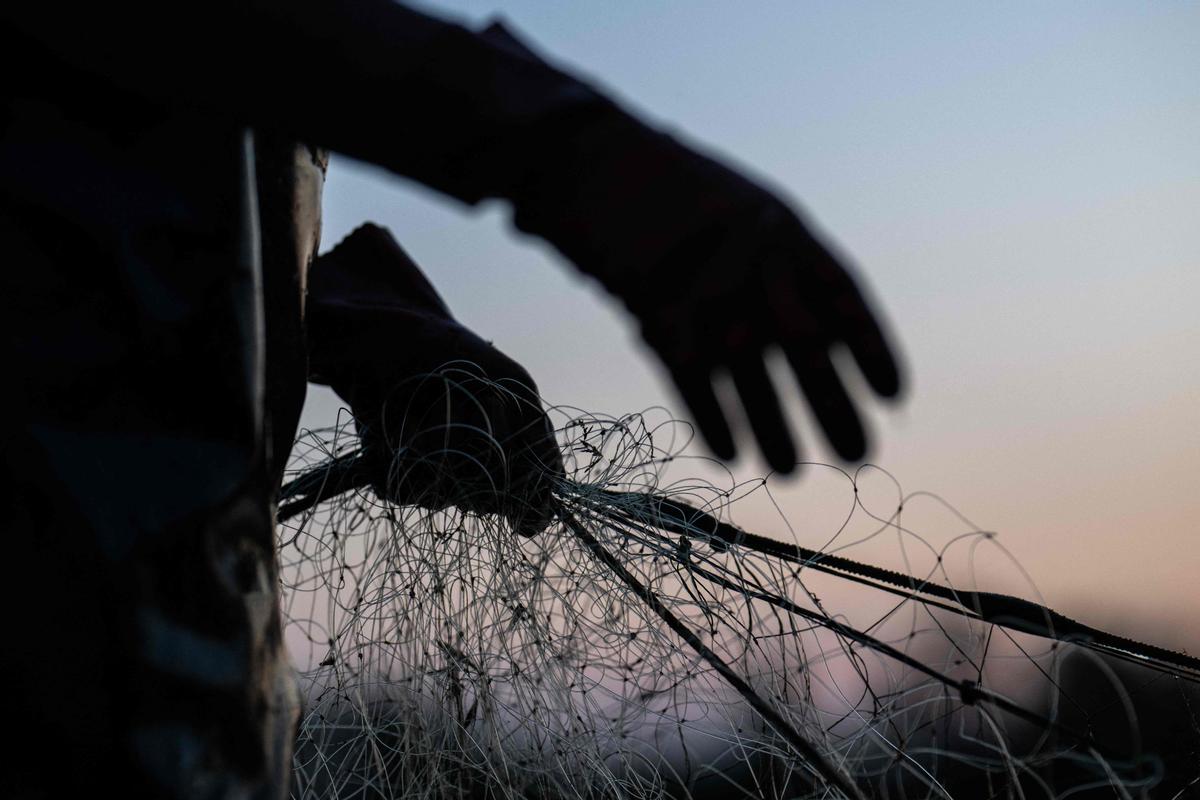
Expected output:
(445, 418)
(718, 271)
(760, 280)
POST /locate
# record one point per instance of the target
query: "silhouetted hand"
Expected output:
(717, 270)
(445, 418)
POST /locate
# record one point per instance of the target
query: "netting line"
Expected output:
(970, 692)
(825, 771)
(678, 517)
(523, 625)
(346, 473)
(1006, 611)
(641, 513)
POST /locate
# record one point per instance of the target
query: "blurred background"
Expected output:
(1017, 187)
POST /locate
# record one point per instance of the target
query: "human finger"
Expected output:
(532, 457)
(535, 466)
(531, 511)
(829, 401)
(852, 321)
(761, 404)
(695, 386)
(805, 342)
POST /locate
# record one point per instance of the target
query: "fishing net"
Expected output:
(645, 646)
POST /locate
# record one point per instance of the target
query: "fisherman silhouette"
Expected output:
(160, 320)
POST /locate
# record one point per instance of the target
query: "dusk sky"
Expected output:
(1018, 187)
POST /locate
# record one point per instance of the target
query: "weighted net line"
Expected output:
(660, 558)
(345, 473)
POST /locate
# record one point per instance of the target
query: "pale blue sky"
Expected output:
(1018, 185)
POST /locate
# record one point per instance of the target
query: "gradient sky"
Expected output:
(1018, 186)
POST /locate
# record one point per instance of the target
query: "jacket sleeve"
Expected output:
(468, 114)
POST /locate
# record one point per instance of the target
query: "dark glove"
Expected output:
(445, 418)
(717, 270)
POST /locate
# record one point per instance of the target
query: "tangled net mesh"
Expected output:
(643, 647)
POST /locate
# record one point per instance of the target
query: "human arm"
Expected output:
(716, 269)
